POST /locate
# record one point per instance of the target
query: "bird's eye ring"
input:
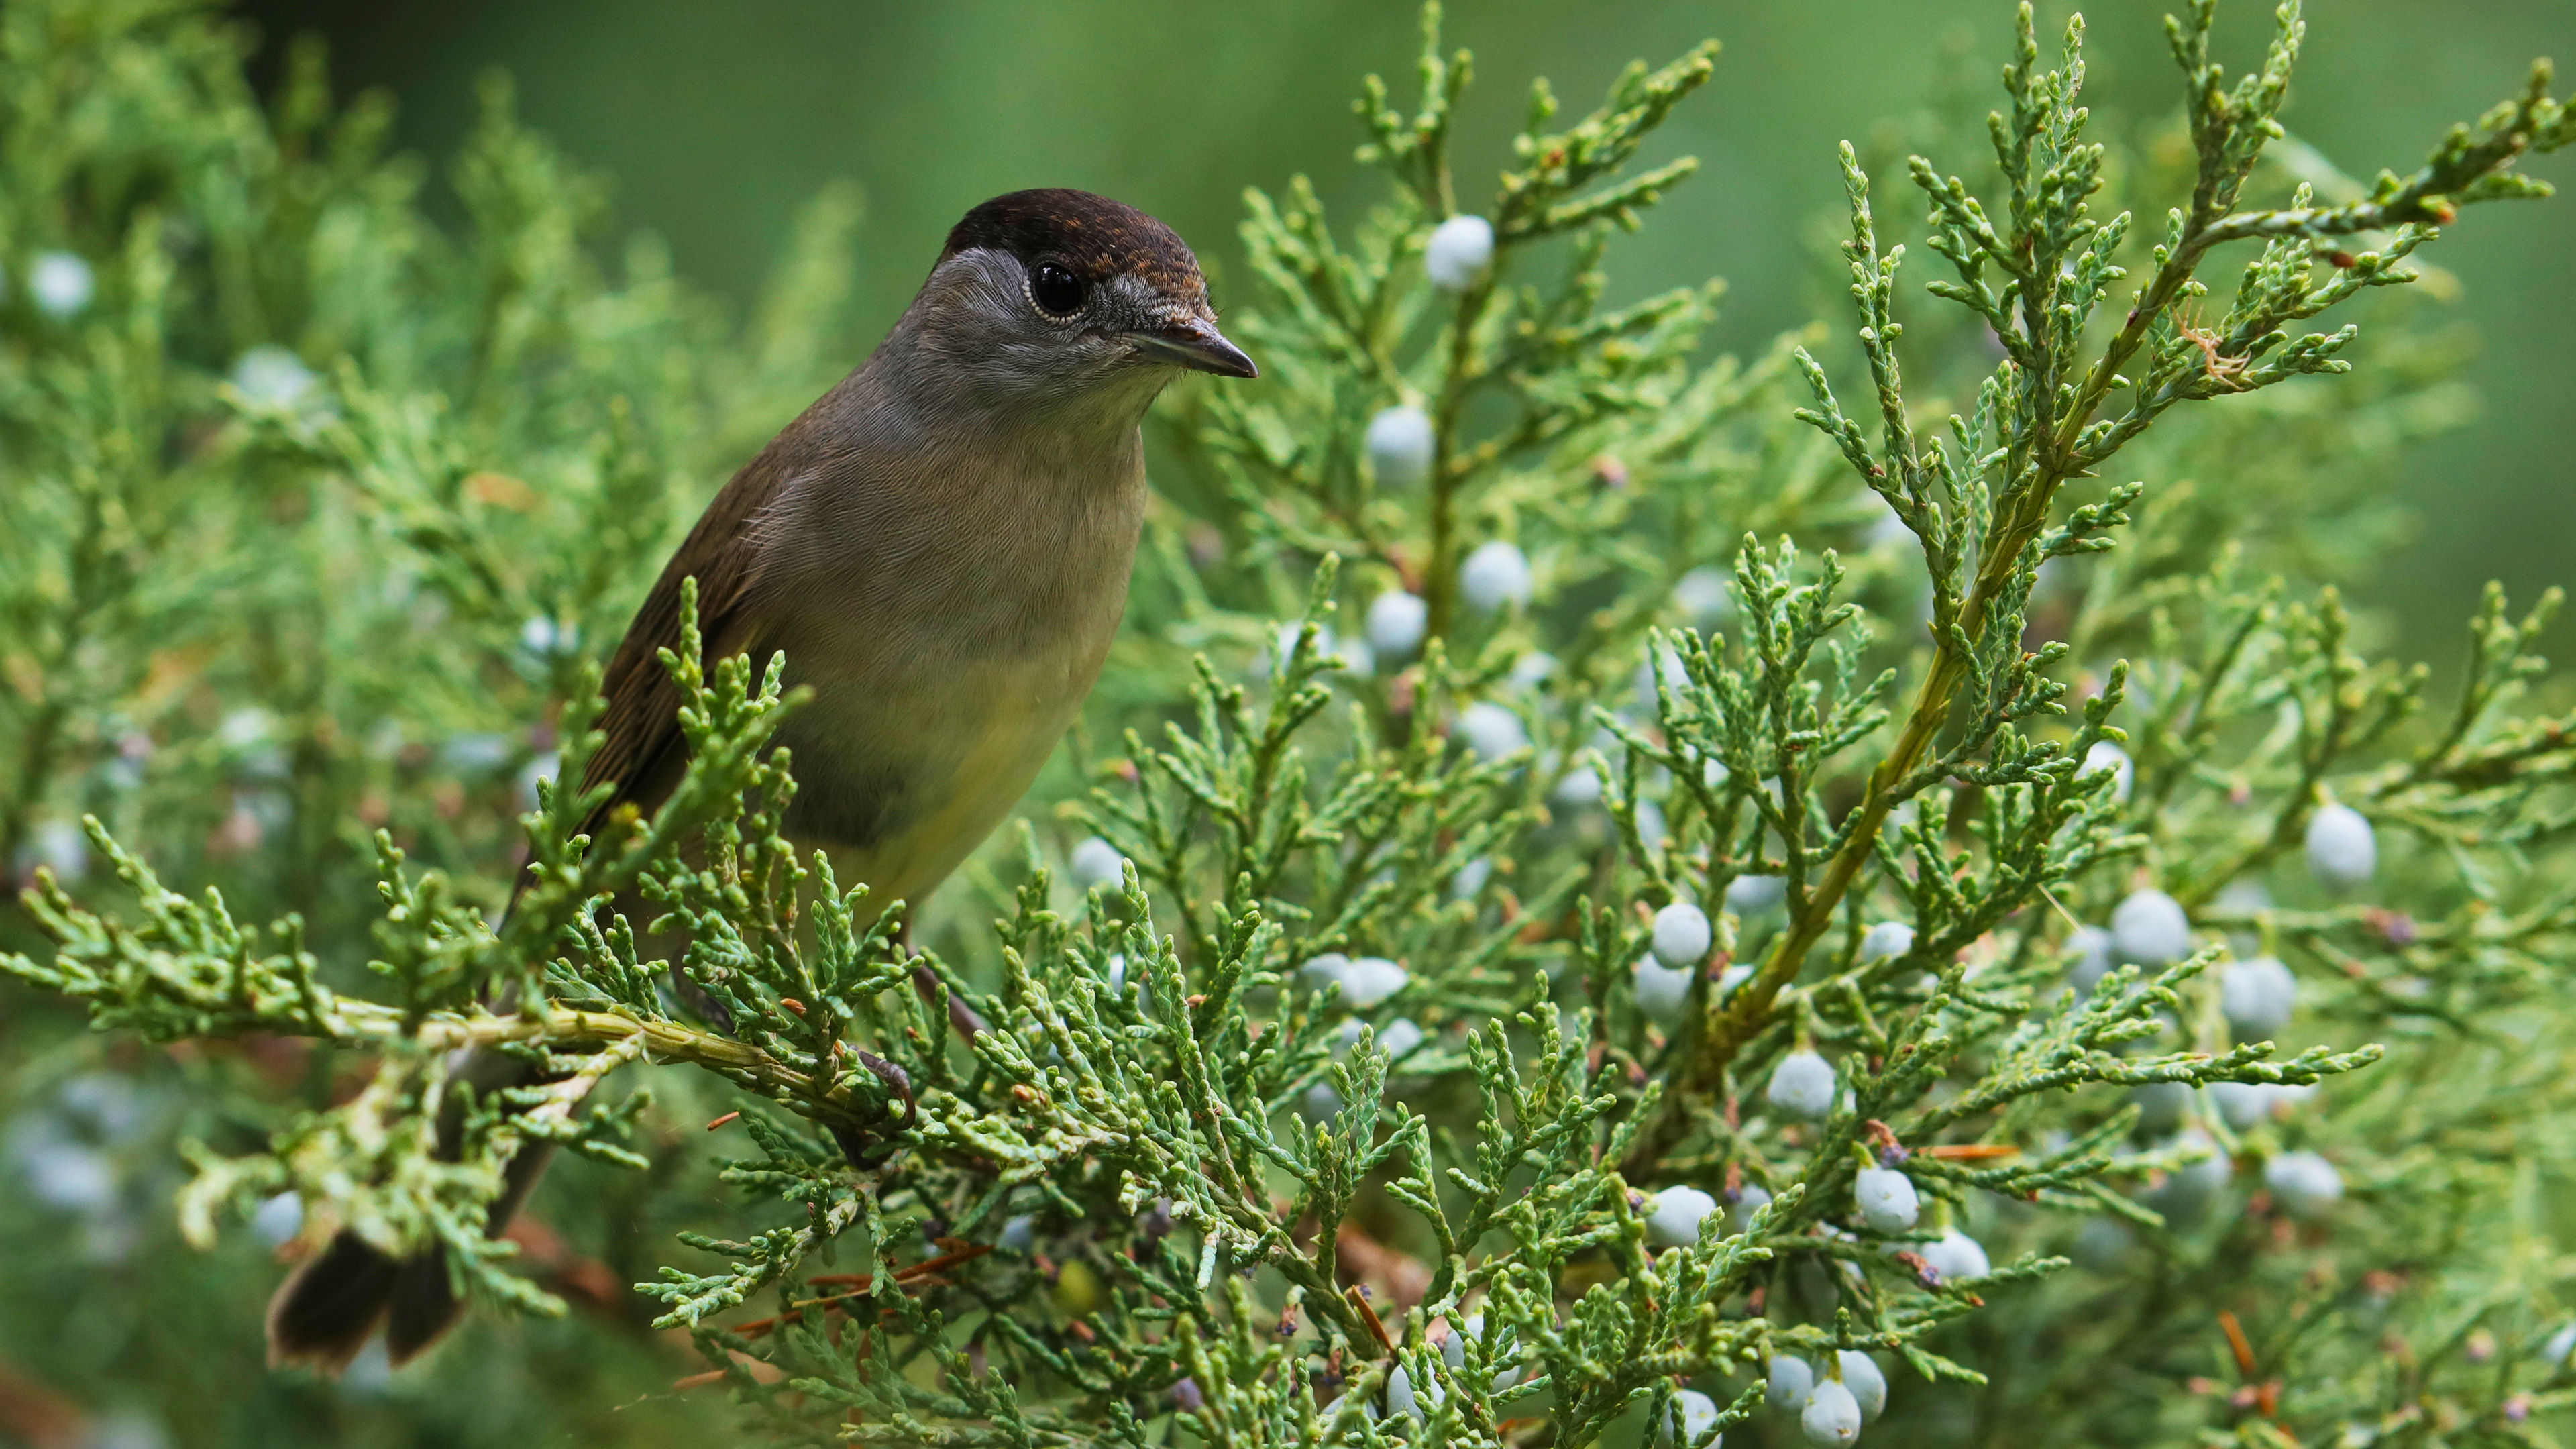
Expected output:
(1056, 291)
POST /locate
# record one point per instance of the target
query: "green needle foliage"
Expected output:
(1965, 723)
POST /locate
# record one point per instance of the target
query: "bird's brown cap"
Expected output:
(1092, 236)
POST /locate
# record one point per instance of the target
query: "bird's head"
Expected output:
(1057, 296)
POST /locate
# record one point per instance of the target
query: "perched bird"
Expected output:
(941, 546)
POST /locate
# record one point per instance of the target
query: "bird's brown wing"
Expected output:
(644, 753)
(326, 1311)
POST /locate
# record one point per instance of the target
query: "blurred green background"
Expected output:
(717, 122)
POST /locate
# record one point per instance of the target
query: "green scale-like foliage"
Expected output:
(1355, 1109)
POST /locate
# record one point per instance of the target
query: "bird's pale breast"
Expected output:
(946, 666)
(906, 793)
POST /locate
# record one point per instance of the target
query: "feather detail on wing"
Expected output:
(644, 753)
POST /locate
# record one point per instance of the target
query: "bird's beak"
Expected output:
(1195, 344)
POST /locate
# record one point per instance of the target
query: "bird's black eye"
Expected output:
(1058, 293)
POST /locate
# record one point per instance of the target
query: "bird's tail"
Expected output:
(328, 1308)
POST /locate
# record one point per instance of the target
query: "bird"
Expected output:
(940, 545)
